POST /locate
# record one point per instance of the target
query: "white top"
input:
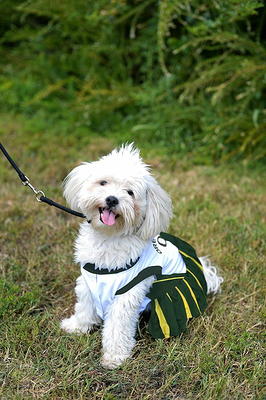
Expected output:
(158, 252)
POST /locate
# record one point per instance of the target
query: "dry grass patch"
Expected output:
(220, 210)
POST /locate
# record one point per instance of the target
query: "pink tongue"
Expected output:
(108, 217)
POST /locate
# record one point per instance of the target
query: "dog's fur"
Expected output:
(143, 211)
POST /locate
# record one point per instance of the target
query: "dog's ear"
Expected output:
(73, 184)
(158, 210)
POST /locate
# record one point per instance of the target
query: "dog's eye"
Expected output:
(102, 183)
(130, 192)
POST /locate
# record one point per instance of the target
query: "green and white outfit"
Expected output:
(177, 294)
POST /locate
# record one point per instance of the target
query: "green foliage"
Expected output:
(185, 75)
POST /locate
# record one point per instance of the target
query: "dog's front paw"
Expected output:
(73, 325)
(112, 361)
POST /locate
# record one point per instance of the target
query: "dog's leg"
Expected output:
(121, 323)
(85, 314)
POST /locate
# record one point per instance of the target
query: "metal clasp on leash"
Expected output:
(40, 196)
(38, 193)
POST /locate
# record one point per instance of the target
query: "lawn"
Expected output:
(220, 209)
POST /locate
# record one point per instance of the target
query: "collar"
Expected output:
(104, 271)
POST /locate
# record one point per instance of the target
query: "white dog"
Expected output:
(121, 254)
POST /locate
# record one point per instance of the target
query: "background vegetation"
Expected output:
(186, 76)
(186, 81)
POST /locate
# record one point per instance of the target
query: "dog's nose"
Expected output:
(111, 201)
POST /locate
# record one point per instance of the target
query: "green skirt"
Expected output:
(177, 298)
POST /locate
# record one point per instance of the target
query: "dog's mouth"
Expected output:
(107, 216)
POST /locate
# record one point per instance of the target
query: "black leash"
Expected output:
(40, 196)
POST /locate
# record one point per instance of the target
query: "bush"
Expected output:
(185, 75)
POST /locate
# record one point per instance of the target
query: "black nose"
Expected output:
(111, 201)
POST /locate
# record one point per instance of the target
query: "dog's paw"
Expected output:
(73, 325)
(112, 361)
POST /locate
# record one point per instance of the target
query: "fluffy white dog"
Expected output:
(121, 252)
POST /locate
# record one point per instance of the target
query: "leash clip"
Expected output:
(38, 193)
(40, 196)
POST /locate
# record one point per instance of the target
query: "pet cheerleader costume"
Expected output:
(177, 294)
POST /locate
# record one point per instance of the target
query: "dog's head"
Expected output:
(118, 195)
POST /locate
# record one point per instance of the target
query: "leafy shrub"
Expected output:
(187, 75)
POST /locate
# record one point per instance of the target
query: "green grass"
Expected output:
(220, 210)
